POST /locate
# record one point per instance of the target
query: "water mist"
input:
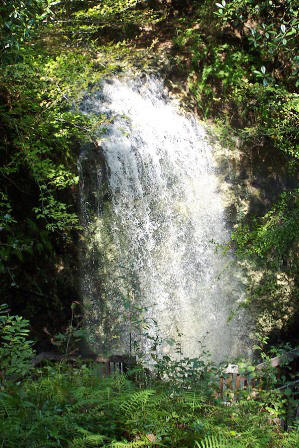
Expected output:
(154, 217)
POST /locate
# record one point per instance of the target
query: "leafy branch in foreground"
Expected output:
(16, 351)
(19, 19)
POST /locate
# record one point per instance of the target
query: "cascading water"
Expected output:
(153, 212)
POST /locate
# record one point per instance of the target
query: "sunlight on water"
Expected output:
(153, 242)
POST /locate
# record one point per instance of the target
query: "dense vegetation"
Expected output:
(178, 404)
(74, 408)
(234, 63)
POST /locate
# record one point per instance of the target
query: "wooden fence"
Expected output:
(109, 365)
(233, 380)
(115, 364)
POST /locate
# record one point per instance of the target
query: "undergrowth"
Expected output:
(76, 408)
(179, 403)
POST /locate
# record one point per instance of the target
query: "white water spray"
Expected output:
(152, 242)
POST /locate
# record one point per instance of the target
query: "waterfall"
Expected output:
(154, 216)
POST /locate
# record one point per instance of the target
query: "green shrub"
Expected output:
(16, 351)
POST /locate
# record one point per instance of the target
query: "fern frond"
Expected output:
(134, 444)
(192, 400)
(89, 441)
(120, 382)
(80, 392)
(86, 404)
(212, 442)
(136, 401)
(8, 405)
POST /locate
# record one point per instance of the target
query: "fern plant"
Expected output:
(212, 442)
(135, 444)
(137, 401)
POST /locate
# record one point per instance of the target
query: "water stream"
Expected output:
(153, 216)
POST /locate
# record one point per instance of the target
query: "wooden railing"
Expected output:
(115, 364)
(231, 379)
(234, 380)
(106, 365)
(230, 382)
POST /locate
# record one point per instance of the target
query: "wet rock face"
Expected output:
(251, 179)
(93, 178)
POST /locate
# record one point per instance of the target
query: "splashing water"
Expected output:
(152, 213)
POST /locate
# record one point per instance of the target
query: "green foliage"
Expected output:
(271, 238)
(212, 442)
(16, 351)
(119, 19)
(119, 13)
(42, 130)
(222, 68)
(275, 113)
(137, 402)
(271, 31)
(68, 342)
(77, 408)
(180, 372)
(270, 28)
(18, 20)
(46, 70)
(267, 246)
(247, 73)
